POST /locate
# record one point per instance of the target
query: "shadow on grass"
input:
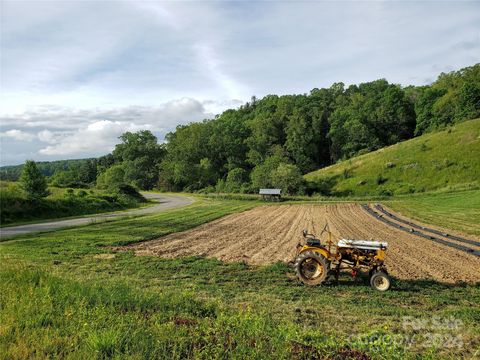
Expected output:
(210, 274)
(401, 285)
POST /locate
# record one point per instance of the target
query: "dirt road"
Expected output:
(270, 233)
(164, 202)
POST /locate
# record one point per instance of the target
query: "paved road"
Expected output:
(164, 202)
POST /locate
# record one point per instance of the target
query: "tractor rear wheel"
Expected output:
(311, 268)
(380, 281)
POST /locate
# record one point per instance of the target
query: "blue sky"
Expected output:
(76, 74)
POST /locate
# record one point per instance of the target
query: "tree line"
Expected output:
(271, 142)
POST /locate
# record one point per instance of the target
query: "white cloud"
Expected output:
(18, 135)
(47, 136)
(97, 137)
(59, 132)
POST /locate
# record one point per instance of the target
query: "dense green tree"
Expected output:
(267, 126)
(182, 165)
(33, 182)
(226, 141)
(372, 115)
(287, 177)
(261, 175)
(104, 162)
(236, 181)
(112, 178)
(451, 98)
(424, 108)
(78, 175)
(141, 155)
(469, 101)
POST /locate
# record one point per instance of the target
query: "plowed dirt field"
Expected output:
(269, 234)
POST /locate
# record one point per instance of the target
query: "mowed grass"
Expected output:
(67, 294)
(449, 159)
(455, 210)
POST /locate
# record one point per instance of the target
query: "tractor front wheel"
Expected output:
(380, 281)
(311, 268)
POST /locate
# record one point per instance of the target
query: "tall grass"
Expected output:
(72, 319)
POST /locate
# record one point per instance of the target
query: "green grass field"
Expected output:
(454, 210)
(448, 159)
(66, 294)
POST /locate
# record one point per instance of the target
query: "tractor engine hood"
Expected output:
(362, 244)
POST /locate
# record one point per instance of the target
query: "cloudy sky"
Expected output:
(76, 74)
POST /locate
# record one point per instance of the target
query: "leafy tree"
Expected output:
(236, 181)
(104, 162)
(469, 101)
(77, 176)
(226, 141)
(112, 179)
(33, 182)
(184, 163)
(141, 155)
(261, 174)
(372, 115)
(64, 179)
(424, 109)
(451, 98)
(47, 168)
(287, 177)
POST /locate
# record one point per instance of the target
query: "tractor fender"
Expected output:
(321, 251)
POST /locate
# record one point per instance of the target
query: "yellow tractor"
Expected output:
(316, 261)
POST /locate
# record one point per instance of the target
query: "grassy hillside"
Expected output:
(441, 160)
(15, 208)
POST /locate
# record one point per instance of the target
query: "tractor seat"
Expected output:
(313, 242)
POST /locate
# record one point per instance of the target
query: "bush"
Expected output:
(347, 173)
(131, 192)
(322, 186)
(385, 192)
(380, 179)
(236, 182)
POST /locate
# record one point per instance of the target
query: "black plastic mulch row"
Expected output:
(433, 231)
(418, 233)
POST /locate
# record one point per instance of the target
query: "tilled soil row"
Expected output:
(268, 234)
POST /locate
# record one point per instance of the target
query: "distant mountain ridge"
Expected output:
(48, 168)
